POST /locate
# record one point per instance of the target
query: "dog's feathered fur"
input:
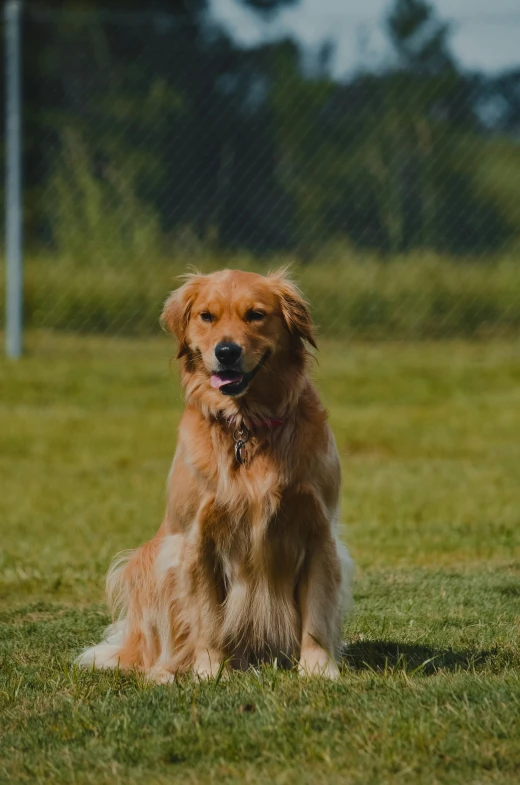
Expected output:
(247, 563)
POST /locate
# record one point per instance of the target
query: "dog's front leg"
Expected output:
(320, 602)
(206, 597)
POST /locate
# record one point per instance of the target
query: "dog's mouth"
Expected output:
(231, 382)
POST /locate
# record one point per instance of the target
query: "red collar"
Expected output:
(266, 422)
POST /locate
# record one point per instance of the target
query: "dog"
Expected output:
(247, 565)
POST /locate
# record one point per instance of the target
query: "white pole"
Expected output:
(13, 182)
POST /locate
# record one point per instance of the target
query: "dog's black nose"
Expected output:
(227, 353)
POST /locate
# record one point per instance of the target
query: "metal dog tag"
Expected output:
(241, 435)
(241, 452)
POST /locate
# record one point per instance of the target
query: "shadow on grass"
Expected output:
(409, 658)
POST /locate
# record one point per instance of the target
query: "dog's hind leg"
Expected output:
(132, 640)
(173, 627)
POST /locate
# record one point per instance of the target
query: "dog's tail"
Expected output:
(117, 586)
(105, 654)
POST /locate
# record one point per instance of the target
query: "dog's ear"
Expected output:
(294, 307)
(176, 312)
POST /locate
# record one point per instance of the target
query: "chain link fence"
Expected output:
(153, 143)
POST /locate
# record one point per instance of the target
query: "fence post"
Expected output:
(13, 180)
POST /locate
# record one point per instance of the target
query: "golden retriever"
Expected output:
(247, 564)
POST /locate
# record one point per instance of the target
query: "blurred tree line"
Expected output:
(146, 123)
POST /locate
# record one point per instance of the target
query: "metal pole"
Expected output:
(13, 179)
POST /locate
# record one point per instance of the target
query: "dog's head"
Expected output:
(239, 334)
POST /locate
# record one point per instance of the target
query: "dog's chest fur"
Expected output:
(244, 517)
(260, 563)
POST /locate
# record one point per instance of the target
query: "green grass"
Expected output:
(429, 436)
(354, 295)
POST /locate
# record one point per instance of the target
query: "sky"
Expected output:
(485, 37)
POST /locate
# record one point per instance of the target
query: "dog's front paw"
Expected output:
(207, 664)
(160, 675)
(318, 662)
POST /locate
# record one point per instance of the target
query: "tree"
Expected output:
(162, 102)
(420, 40)
(167, 117)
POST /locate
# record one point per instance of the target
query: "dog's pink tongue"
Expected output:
(218, 380)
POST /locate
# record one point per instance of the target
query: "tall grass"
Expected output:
(352, 297)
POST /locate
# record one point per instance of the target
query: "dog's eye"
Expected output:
(206, 316)
(255, 316)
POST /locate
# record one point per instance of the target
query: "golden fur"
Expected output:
(247, 563)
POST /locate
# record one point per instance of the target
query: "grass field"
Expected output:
(429, 436)
(355, 295)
